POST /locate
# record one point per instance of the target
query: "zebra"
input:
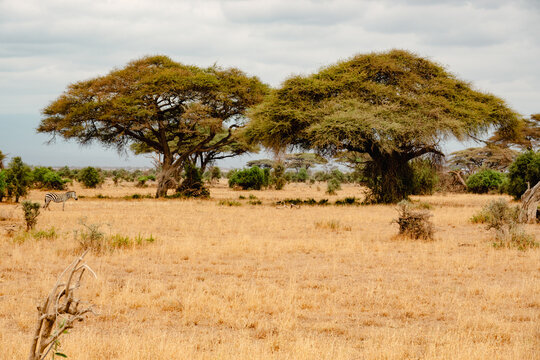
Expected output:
(59, 198)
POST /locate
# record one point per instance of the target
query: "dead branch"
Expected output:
(59, 310)
(529, 204)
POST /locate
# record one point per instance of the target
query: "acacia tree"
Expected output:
(527, 135)
(490, 156)
(393, 107)
(174, 109)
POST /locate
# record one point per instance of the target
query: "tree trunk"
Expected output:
(529, 205)
(390, 178)
(165, 178)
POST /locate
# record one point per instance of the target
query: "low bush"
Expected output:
(249, 179)
(31, 212)
(414, 223)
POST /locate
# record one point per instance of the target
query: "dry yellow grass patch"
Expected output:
(256, 282)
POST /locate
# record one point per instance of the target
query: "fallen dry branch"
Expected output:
(60, 310)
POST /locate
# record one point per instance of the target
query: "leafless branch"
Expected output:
(60, 310)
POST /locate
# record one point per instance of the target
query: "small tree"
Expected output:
(278, 178)
(90, 177)
(19, 177)
(215, 173)
(31, 212)
(3, 184)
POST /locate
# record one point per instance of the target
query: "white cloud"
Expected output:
(47, 44)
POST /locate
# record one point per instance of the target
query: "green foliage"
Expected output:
(46, 178)
(90, 177)
(229, 202)
(19, 178)
(92, 238)
(3, 184)
(215, 173)
(391, 107)
(193, 184)
(525, 169)
(334, 182)
(484, 181)
(137, 197)
(157, 105)
(278, 176)
(66, 172)
(425, 178)
(249, 179)
(141, 180)
(503, 218)
(31, 212)
(332, 186)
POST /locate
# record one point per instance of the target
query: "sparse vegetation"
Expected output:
(503, 219)
(258, 277)
(414, 223)
(31, 212)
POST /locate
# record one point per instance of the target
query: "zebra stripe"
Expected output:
(59, 198)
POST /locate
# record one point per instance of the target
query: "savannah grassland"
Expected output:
(258, 282)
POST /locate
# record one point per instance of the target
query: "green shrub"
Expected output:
(215, 173)
(249, 179)
(278, 176)
(425, 178)
(90, 177)
(484, 181)
(332, 186)
(3, 184)
(229, 203)
(524, 172)
(31, 212)
(47, 178)
(193, 184)
(66, 172)
(18, 179)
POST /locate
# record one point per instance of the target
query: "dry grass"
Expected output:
(256, 282)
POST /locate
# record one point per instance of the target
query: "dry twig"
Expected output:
(60, 310)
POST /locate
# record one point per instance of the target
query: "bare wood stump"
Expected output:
(529, 205)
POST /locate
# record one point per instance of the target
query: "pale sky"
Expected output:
(47, 44)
